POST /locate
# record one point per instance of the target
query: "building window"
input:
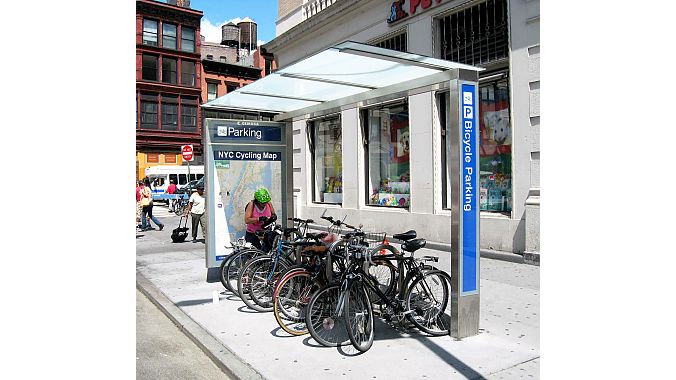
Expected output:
(222, 59)
(170, 112)
(189, 114)
(152, 158)
(476, 35)
(188, 39)
(387, 151)
(495, 147)
(268, 66)
(169, 72)
(210, 57)
(212, 91)
(170, 159)
(397, 42)
(327, 160)
(188, 73)
(149, 111)
(168, 36)
(149, 32)
(230, 87)
(149, 67)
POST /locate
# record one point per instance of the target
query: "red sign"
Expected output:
(187, 152)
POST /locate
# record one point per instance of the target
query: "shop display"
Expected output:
(495, 148)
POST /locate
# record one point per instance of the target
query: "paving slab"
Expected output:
(507, 346)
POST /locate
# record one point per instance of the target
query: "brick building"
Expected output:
(233, 63)
(168, 79)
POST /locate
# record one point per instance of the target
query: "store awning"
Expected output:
(341, 71)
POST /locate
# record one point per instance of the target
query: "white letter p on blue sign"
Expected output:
(467, 112)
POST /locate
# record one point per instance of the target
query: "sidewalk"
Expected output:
(251, 345)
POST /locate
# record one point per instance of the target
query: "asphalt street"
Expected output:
(164, 352)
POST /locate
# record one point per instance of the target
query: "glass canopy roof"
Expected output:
(340, 71)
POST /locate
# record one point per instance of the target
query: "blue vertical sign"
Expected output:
(469, 132)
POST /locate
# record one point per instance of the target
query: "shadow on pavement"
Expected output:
(275, 332)
(246, 309)
(193, 302)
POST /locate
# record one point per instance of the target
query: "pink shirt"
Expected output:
(253, 227)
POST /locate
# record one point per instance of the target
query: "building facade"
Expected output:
(233, 63)
(168, 78)
(400, 148)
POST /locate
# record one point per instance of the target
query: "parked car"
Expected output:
(189, 187)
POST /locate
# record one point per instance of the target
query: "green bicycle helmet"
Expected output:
(262, 195)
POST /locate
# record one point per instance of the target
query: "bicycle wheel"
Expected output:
(325, 323)
(428, 298)
(290, 300)
(385, 275)
(234, 266)
(256, 282)
(221, 270)
(359, 317)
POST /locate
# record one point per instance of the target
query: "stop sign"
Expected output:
(186, 152)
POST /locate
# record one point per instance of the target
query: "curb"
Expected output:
(231, 364)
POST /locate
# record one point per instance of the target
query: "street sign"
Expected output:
(187, 152)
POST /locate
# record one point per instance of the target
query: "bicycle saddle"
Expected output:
(413, 245)
(406, 236)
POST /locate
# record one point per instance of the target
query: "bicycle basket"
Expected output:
(374, 239)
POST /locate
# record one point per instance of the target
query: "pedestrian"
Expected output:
(197, 208)
(171, 190)
(139, 188)
(147, 205)
(258, 211)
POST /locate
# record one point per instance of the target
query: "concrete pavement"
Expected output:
(252, 345)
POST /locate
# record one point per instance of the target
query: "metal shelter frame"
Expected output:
(350, 75)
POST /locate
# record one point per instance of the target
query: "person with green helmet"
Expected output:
(258, 211)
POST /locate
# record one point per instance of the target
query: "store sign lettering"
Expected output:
(247, 156)
(397, 8)
(470, 212)
(249, 130)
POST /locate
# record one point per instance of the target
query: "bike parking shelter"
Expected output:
(345, 76)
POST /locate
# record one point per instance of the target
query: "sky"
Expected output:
(219, 12)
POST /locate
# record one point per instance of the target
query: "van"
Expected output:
(160, 176)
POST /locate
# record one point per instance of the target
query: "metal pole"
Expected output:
(464, 173)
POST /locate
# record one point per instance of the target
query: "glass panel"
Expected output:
(149, 70)
(188, 73)
(173, 177)
(148, 115)
(328, 161)
(333, 65)
(150, 32)
(265, 103)
(388, 156)
(182, 179)
(495, 163)
(188, 39)
(169, 70)
(170, 117)
(169, 36)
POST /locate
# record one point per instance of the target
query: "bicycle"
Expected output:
(422, 295)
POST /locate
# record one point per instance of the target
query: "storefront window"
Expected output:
(388, 149)
(327, 157)
(495, 162)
